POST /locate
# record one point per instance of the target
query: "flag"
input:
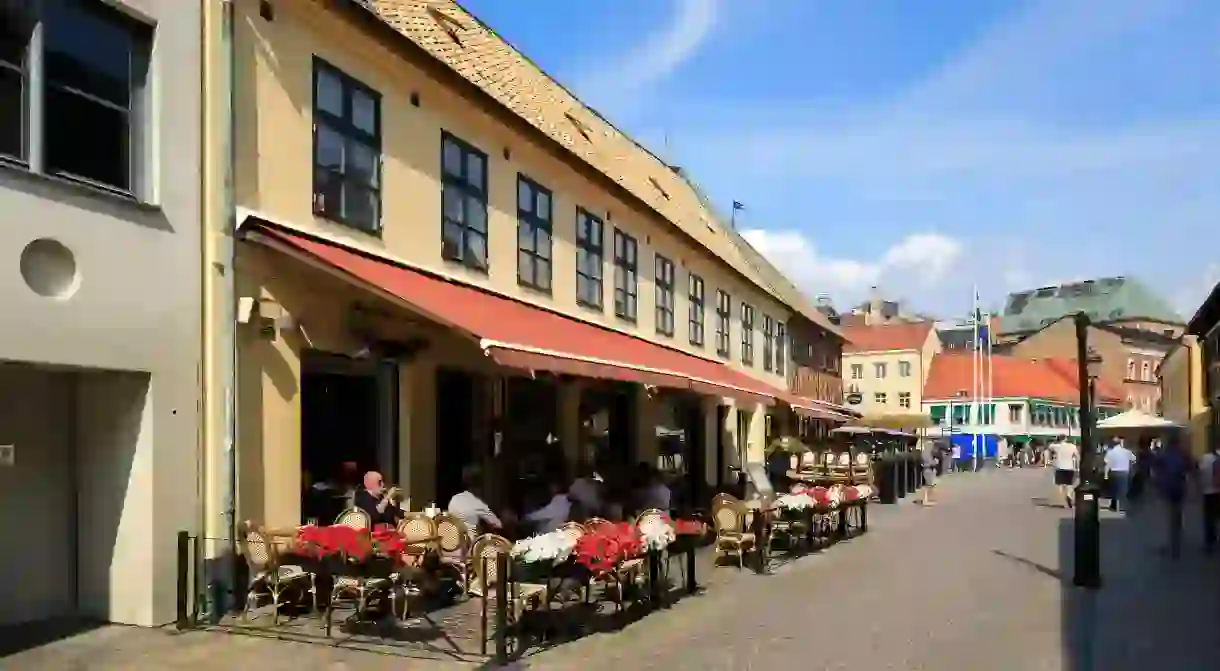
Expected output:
(738, 206)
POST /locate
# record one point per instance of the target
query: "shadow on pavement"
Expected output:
(1152, 612)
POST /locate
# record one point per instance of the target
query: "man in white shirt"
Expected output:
(587, 491)
(1209, 484)
(1067, 461)
(1118, 470)
(551, 516)
(470, 509)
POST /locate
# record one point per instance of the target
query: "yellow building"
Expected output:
(1184, 392)
(886, 365)
(444, 258)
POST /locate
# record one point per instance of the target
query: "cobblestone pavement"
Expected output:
(974, 583)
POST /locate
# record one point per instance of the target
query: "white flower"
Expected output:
(794, 501)
(657, 534)
(864, 491)
(554, 547)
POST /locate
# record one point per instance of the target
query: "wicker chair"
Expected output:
(486, 575)
(358, 590)
(653, 516)
(454, 545)
(419, 531)
(355, 518)
(729, 516)
(268, 575)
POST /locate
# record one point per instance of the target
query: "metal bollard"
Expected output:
(184, 542)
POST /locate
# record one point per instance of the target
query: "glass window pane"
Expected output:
(474, 170)
(329, 94)
(525, 266)
(543, 270)
(14, 31)
(582, 261)
(90, 48)
(329, 150)
(451, 198)
(525, 196)
(361, 164)
(364, 111)
(451, 240)
(476, 215)
(360, 206)
(525, 237)
(12, 116)
(543, 240)
(451, 158)
(476, 249)
(543, 205)
(86, 139)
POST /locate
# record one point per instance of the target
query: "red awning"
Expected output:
(811, 408)
(522, 336)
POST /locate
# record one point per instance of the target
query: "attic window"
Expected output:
(448, 23)
(579, 125)
(657, 185)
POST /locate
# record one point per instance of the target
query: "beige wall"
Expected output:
(893, 384)
(1183, 395)
(274, 176)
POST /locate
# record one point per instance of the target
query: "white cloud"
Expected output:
(919, 260)
(657, 56)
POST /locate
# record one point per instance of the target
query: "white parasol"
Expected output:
(1136, 420)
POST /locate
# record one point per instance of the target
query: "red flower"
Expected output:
(689, 528)
(334, 540)
(850, 494)
(603, 548)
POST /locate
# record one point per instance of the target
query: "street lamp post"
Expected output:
(1088, 526)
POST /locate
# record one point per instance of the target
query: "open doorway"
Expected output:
(348, 417)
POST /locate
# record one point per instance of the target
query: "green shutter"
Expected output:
(937, 412)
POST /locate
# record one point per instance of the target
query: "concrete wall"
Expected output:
(130, 300)
(1183, 391)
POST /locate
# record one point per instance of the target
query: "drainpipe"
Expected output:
(228, 119)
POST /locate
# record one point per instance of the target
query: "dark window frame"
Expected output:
(697, 310)
(470, 192)
(532, 258)
(590, 248)
(40, 85)
(345, 126)
(781, 348)
(747, 334)
(724, 321)
(768, 345)
(666, 301)
(626, 276)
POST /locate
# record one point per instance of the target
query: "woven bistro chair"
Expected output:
(420, 532)
(573, 530)
(354, 518)
(729, 518)
(268, 575)
(454, 546)
(523, 596)
(654, 516)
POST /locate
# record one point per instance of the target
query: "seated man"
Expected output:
(551, 516)
(470, 508)
(378, 501)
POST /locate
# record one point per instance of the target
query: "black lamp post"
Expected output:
(1088, 527)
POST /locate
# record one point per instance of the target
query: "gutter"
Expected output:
(229, 153)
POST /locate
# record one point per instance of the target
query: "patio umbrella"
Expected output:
(897, 420)
(789, 445)
(1135, 420)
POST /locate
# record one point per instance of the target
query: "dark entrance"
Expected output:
(456, 424)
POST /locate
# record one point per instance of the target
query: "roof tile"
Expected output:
(951, 375)
(886, 337)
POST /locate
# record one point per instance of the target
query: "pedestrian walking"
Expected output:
(1118, 461)
(1170, 470)
(927, 461)
(956, 453)
(1209, 487)
(1067, 463)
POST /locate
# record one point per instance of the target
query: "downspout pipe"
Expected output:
(229, 254)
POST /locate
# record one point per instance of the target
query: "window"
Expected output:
(533, 234)
(346, 149)
(768, 343)
(879, 370)
(83, 76)
(464, 203)
(781, 348)
(590, 248)
(937, 414)
(904, 399)
(694, 296)
(626, 275)
(1130, 369)
(1014, 413)
(664, 282)
(724, 307)
(879, 398)
(747, 334)
(904, 369)
(857, 371)
(1146, 371)
(961, 415)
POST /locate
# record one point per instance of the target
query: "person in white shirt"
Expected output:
(587, 491)
(468, 507)
(652, 493)
(551, 516)
(1209, 485)
(1067, 461)
(1118, 470)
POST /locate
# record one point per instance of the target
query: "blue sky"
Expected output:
(921, 146)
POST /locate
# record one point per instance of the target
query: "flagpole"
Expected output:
(975, 383)
(991, 378)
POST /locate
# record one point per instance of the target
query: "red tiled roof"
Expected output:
(522, 336)
(886, 337)
(1051, 379)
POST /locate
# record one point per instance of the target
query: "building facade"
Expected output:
(1205, 326)
(457, 273)
(885, 366)
(1029, 398)
(100, 385)
(1184, 391)
(1130, 355)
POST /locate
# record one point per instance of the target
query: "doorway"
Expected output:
(456, 424)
